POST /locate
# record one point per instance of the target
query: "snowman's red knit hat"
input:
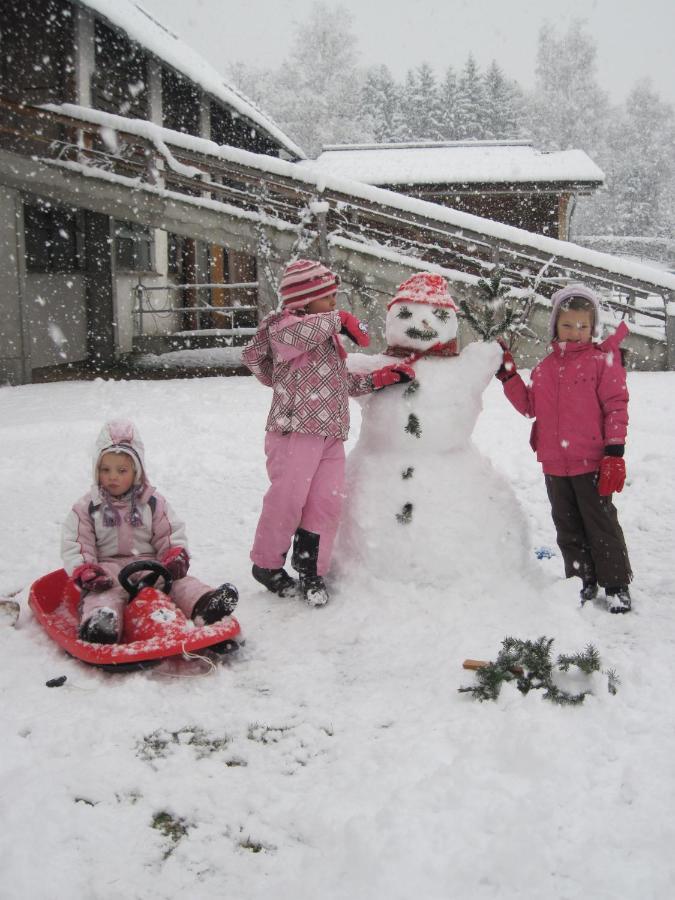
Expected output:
(424, 287)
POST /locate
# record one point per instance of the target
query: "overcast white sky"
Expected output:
(634, 38)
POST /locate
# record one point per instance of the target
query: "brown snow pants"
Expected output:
(587, 526)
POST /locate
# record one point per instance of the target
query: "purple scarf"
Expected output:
(111, 515)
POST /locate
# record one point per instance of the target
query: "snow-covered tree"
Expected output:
(407, 123)
(448, 100)
(643, 147)
(569, 110)
(470, 102)
(315, 94)
(426, 100)
(379, 105)
(500, 116)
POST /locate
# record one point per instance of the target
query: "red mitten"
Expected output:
(393, 374)
(612, 475)
(508, 366)
(92, 577)
(354, 328)
(177, 561)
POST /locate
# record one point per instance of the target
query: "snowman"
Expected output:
(422, 503)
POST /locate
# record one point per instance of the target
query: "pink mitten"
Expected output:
(92, 577)
(354, 328)
(177, 562)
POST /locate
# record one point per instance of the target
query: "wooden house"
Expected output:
(68, 276)
(506, 181)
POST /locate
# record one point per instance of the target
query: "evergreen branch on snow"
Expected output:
(529, 664)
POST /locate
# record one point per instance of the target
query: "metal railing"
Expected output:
(144, 308)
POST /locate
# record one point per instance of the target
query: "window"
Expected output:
(53, 238)
(36, 51)
(181, 103)
(120, 79)
(230, 129)
(134, 246)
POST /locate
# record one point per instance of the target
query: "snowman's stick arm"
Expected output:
(474, 664)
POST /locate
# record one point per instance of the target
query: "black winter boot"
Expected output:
(102, 627)
(589, 591)
(215, 605)
(278, 581)
(618, 599)
(304, 561)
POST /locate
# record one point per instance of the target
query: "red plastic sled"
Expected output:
(154, 628)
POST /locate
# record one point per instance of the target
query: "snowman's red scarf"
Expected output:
(448, 349)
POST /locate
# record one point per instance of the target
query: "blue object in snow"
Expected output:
(544, 552)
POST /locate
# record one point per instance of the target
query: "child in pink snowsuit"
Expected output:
(298, 353)
(123, 519)
(579, 400)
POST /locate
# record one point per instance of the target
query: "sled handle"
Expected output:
(155, 570)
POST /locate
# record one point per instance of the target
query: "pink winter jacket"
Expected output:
(85, 539)
(578, 397)
(301, 358)
(84, 536)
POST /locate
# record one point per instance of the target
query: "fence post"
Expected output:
(319, 209)
(670, 330)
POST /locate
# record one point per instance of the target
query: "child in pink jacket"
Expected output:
(578, 398)
(297, 352)
(123, 519)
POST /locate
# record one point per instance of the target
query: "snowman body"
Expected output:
(422, 503)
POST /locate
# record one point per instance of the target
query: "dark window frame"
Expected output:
(117, 60)
(134, 247)
(53, 238)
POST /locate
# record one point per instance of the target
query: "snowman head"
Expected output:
(422, 314)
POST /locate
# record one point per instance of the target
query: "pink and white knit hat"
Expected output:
(424, 287)
(303, 281)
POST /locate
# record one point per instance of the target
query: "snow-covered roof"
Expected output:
(475, 162)
(141, 27)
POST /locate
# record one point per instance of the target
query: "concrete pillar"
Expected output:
(670, 332)
(15, 361)
(100, 275)
(84, 56)
(155, 91)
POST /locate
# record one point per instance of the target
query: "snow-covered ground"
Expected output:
(333, 757)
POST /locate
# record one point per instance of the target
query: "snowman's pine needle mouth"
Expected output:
(417, 334)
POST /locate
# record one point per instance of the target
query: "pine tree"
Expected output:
(406, 119)
(428, 112)
(314, 103)
(500, 116)
(644, 168)
(470, 102)
(448, 100)
(380, 101)
(569, 110)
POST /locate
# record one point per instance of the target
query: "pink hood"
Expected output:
(121, 436)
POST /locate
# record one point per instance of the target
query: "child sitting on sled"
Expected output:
(123, 519)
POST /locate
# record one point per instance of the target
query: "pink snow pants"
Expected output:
(185, 592)
(307, 474)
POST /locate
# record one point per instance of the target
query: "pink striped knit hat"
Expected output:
(303, 281)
